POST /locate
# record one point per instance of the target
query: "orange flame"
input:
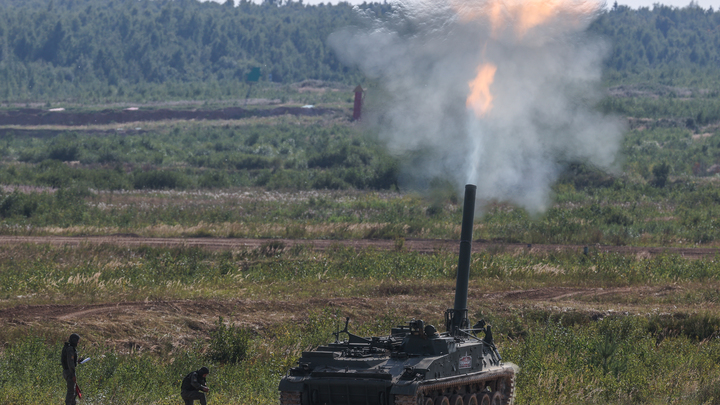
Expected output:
(522, 15)
(480, 98)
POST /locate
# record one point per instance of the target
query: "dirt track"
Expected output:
(251, 308)
(148, 325)
(416, 245)
(156, 324)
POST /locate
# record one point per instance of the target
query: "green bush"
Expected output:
(159, 179)
(64, 152)
(214, 179)
(18, 205)
(229, 343)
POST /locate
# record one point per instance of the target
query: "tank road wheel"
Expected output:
(497, 398)
(456, 400)
(485, 399)
(470, 399)
(442, 400)
(428, 401)
(290, 398)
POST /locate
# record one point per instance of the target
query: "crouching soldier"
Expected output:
(69, 360)
(194, 388)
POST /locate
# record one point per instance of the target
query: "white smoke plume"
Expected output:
(535, 110)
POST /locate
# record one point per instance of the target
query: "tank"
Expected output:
(413, 365)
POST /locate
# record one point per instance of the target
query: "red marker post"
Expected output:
(357, 108)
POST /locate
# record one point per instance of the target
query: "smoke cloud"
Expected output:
(496, 93)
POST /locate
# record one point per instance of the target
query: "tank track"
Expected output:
(480, 380)
(290, 398)
(294, 398)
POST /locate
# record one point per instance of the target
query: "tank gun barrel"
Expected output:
(459, 317)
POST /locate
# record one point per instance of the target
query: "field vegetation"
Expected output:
(323, 177)
(237, 312)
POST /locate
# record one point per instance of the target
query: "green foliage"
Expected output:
(661, 173)
(94, 50)
(698, 327)
(158, 180)
(563, 355)
(60, 207)
(608, 360)
(271, 156)
(662, 45)
(34, 376)
(614, 359)
(163, 50)
(162, 272)
(229, 343)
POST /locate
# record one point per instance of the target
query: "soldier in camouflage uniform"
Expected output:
(69, 359)
(194, 388)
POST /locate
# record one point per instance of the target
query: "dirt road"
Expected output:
(157, 324)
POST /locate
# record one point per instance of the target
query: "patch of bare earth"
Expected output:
(161, 326)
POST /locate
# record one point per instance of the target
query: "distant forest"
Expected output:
(147, 49)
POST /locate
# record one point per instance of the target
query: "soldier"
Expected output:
(194, 388)
(69, 359)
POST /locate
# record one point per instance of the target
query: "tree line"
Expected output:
(128, 49)
(662, 45)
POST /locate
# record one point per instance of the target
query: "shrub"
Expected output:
(158, 179)
(17, 204)
(328, 180)
(661, 173)
(214, 179)
(228, 343)
(64, 152)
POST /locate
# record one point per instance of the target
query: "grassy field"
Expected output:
(680, 214)
(327, 177)
(601, 328)
(584, 329)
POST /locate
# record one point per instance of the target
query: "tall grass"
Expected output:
(565, 356)
(677, 215)
(40, 273)
(107, 271)
(615, 360)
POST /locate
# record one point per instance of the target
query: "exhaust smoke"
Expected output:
(490, 92)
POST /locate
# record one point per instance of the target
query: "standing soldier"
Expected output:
(69, 359)
(194, 388)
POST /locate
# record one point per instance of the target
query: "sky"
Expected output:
(631, 3)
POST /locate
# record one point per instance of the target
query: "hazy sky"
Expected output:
(632, 3)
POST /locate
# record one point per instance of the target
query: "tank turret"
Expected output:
(413, 365)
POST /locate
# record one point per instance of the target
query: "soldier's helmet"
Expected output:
(74, 339)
